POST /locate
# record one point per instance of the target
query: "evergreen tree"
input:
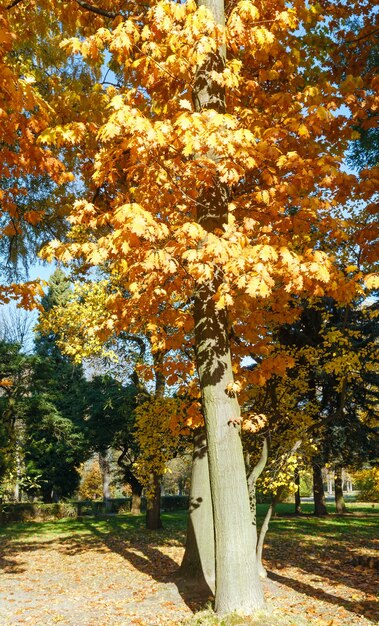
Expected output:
(14, 375)
(110, 424)
(55, 444)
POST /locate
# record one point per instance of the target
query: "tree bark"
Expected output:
(198, 565)
(134, 483)
(104, 465)
(238, 586)
(262, 536)
(136, 498)
(153, 510)
(318, 492)
(338, 493)
(297, 493)
(251, 483)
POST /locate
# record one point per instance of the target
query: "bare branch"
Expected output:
(365, 36)
(13, 4)
(94, 9)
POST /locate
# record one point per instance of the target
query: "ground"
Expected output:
(112, 572)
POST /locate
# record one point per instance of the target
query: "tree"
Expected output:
(111, 425)
(54, 449)
(213, 159)
(336, 347)
(15, 370)
(54, 419)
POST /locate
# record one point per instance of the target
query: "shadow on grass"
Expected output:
(322, 548)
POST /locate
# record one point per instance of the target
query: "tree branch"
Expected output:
(13, 4)
(259, 467)
(94, 9)
(365, 36)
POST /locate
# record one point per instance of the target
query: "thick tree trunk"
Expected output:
(105, 471)
(297, 493)
(153, 510)
(318, 491)
(136, 498)
(198, 565)
(338, 493)
(238, 587)
(134, 483)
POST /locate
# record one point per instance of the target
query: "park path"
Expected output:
(100, 580)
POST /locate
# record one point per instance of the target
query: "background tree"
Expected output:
(54, 422)
(15, 370)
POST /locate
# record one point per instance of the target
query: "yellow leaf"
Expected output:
(372, 281)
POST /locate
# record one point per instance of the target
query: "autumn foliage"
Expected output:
(208, 146)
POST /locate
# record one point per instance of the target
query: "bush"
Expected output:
(174, 503)
(39, 512)
(367, 481)
(91, 486)
(306, 484)
(36, 512)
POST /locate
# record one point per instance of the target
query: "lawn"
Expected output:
(112, 571)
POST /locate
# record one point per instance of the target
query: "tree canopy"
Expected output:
(206, 145)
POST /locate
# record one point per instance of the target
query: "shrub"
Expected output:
(91, 486)
(367, 481)
(35, 511)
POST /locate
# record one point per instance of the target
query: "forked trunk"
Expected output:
(198, 565)
(153, 508)
(238, 587)
(318, 491)
(137, 489)
(134, 483)
(338, 493)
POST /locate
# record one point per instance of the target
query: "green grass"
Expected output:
(287, 536)
(332, 527)
(173, 523)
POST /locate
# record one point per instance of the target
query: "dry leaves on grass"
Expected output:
(107, 578)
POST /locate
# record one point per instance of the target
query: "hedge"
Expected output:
(37, 511)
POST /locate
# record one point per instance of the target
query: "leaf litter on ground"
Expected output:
(116, 573)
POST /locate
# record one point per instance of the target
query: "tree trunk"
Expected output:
(136, 498)
(198, 565)
(238, 587)
(338, 493)
(297, 493)
(104, 465)
(153, 510)
(134, 483)
(318, 491)
(262, 535)
(251, 483)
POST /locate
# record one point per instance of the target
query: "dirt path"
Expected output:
(100, 580)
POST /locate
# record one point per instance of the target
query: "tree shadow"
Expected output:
(332, 560)
(10, 566)
(149, 560)
(367, 608)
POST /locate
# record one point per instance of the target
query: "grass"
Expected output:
(174, 523)
(289, 536)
